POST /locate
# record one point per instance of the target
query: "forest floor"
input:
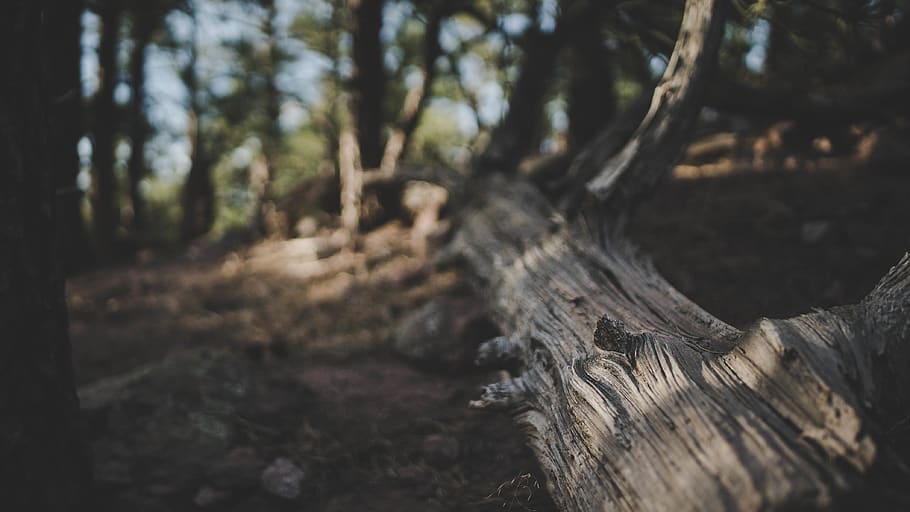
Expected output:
(270, 378)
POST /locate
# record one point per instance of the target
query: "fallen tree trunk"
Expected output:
(635, 398)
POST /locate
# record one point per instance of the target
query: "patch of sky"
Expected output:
(549, 12)
(758, 38)
(394, 16)
(657, 64)
(514, 24)
(89, 64)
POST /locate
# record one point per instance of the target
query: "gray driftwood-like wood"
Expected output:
(667, 125)
(633, 397)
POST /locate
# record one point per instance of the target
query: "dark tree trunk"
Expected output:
(44, 463)
(105, 212)
(415, 100)
(65, 123)
(198, 197)
(143, 28)
(519, 132)
(368, 80)
(198, 193)
(265, 215)
(592, 101)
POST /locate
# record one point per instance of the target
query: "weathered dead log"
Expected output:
(634, 398)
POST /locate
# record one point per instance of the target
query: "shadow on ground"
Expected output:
(272, 378)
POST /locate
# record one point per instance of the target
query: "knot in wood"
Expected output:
(610, 334)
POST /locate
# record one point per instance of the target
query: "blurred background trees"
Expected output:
(208, 117)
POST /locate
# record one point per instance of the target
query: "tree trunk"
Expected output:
(143, 27)
(592, 101)
(65, 124)
(105, 214)
(519, 131)
(198, 196)
(265, 214)
(633, 397)
(44, 463)
(198, 193)
(351, 177)
(416, 98)
(369, 79)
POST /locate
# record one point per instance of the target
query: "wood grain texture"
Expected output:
(634, 398)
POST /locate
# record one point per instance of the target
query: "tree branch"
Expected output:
(659, 139)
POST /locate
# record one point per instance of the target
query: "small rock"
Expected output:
(442, 333)
(282, 478)
(440, 449)
(208, 496)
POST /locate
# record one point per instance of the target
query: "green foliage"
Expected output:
(806, 46)
(163, 210)
(304, 157)
(233, 198)
(438, 140)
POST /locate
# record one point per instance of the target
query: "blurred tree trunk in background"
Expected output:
(144, 24)
(265, 216)
(64, 52)
(520, 131)
(368, 81)
(198, 193)
(592, 100)
(351, 178)
(44, 463)
(105, 211)
(415, 100)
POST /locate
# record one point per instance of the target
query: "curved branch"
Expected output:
(659, 139)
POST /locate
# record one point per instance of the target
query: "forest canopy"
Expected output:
(201, 115)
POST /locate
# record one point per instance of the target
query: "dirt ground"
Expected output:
(198, 376)
(266, 378)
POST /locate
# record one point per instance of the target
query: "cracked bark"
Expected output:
(635, 398)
